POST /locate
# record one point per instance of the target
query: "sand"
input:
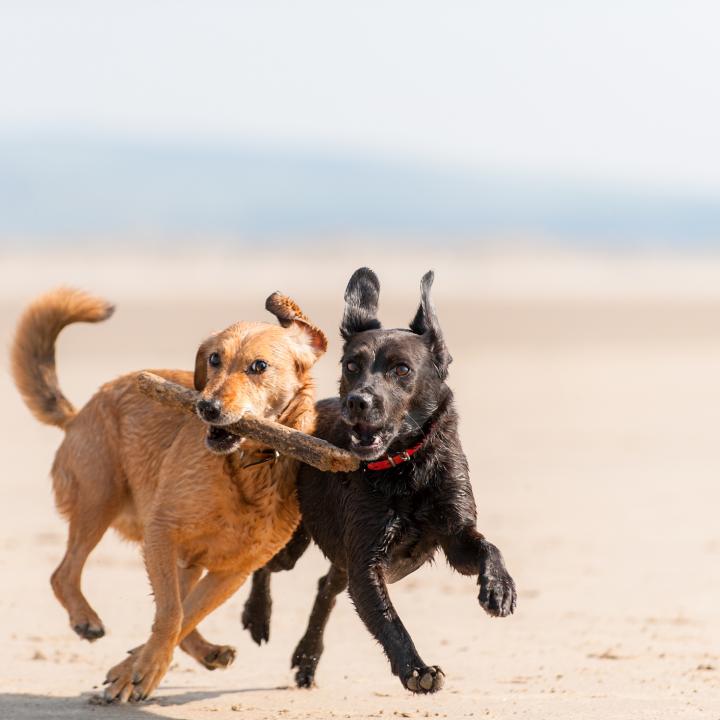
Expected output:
(589, 394)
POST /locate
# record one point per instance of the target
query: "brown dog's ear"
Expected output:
(425, 323)
(288, 313)
(201, 361)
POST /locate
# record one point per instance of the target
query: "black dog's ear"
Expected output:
(361, 303)
(426, 323)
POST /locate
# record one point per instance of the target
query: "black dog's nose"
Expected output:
(357, 403)
(209, 410)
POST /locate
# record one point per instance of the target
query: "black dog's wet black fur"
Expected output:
(376, 527)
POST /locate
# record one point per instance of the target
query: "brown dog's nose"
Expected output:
(209, 410)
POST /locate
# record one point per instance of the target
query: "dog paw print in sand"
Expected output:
(609, 654)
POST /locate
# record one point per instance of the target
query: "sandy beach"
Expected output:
(589, 394)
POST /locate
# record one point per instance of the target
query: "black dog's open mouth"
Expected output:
(220, 441)
(366, 441)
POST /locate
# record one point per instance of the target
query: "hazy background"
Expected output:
(158, 122)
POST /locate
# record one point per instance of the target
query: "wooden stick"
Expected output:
(301, 446)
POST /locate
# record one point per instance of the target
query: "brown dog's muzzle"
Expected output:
(217, 440)
(209, 410)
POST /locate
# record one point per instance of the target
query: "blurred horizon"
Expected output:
(573, 124)
(62, 190)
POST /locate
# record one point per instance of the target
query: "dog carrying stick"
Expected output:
(301, 446)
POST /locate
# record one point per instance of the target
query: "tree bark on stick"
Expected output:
(288, 441)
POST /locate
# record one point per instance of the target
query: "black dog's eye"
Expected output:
(352, 367)
(214, 359)
(257, 367)
(402, 370)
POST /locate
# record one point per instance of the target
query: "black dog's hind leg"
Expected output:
(258, 607)
(308, 651)
(471, 554)
(369, 593)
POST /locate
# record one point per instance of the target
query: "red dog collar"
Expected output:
(393, 460)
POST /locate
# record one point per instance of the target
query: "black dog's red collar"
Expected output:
(393, 460)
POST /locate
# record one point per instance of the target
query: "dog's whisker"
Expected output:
(417, 425)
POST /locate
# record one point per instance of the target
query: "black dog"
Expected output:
(382, 522)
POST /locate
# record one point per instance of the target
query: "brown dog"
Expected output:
(145, 470)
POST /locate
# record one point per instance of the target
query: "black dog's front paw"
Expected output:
(497, 588)
(497, 594)
(306, 664)
(256, 618)
(423, 680)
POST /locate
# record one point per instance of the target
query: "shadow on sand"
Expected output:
(24, 706)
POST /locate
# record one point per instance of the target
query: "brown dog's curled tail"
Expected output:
(32, 356)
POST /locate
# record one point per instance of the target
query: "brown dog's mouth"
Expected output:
(220, 441)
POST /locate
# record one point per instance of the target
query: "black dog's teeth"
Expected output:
(364, 436)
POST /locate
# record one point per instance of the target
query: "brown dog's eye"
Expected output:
(257, 367)
(351, 367)
(214, 359)
(402, 370)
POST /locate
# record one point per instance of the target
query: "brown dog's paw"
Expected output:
(119, 680)
(423, 680)
(90, 631)
(219, 656)
(208, 655)
(137, 677)
(497, 594)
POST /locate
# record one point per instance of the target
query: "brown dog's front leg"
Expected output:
(140, 673)
(471, 554)
(211, 592)
(208, 654)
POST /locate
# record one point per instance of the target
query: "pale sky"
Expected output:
(620, 90)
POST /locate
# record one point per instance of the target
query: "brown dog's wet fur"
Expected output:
(147, 471)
